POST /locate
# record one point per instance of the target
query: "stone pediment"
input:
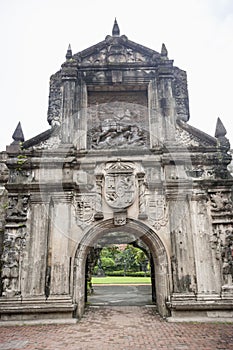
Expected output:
(117, 50)
(48, 139)
(192, 137)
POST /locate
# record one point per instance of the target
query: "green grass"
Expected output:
(121, 280)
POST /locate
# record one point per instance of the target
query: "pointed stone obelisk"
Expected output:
(69, 53)
(115, 29)
(18, 134)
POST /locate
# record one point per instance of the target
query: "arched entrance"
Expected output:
(148, 236)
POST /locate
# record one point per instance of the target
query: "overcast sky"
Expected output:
(35, 35)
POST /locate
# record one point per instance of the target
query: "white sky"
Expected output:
(34, 36)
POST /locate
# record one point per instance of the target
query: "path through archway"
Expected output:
(118, 272)
(138, 230)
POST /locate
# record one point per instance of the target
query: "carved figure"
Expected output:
(17, 209)
(220, 202)
(118, 135)
(227, 257)
(12, 248)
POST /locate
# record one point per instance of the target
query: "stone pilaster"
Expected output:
(60, 222)
(80, 138)
(182, 254)
(141, 197)
(208, 284)
(33, 275)
(69, 77)
(155, 113)
(167, 103)
(99, 210)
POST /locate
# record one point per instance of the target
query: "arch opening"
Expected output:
(120, 272)
(135, 229)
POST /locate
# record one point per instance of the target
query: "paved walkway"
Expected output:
(119, 328)
(121, 295)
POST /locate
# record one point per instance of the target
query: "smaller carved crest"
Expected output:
(157, 211)
(84, 208)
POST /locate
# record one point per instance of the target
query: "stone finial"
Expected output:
(115, 29)
(164, 51)
(220, 130)
(69, 53)
(18, 134)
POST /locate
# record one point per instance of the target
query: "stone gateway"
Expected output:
(119, 164)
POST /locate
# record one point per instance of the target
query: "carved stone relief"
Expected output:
(117, 135)
(84, 208)
(157, 213)
(119, 185)
(116, 53)
(20, 176)
(181, 94)
(12, 251)
(117, 124)
(200, 172)
(4, 173)
(55, 97)
(220, 202)
(222, 243)
(227, 258)
(17, 208)
(120, 218)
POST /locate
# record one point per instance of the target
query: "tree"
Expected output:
(131, 259)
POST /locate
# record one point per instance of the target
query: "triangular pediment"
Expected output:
(190, 136)
(118, 50)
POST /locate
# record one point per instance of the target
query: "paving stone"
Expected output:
(119, 328)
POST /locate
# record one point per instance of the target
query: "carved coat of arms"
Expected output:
(157, 211)
(120, 185)
(84, 207)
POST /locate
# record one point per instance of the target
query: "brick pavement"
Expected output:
(111, 328)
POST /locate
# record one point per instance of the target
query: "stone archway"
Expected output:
(148, 236)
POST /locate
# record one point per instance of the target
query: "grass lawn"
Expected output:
(121, 280)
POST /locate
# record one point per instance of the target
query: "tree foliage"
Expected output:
(129, 259)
